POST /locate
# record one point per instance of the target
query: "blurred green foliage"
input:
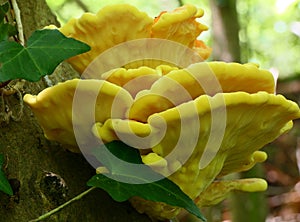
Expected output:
(269, 35)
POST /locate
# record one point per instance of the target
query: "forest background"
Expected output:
(264, 32)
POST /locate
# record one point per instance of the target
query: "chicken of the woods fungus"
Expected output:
(156, 96)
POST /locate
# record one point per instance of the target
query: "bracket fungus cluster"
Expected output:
(195, 123)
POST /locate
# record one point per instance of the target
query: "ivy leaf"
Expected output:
(4, 184)
(45, 50)
(3, 10)
(7, 30)
(138, 177)
(3, 31)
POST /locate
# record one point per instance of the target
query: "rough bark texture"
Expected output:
(30, 157)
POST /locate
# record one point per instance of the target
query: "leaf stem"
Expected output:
(48, 214)
(19, 21)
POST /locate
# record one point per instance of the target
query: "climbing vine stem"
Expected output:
(18, 21)
(48, 214)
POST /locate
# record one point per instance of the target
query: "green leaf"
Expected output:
(4, 184)
(106, 153)
(128, 177)
(3, 31)
(12, 30)
(7, 30)
(45, 50)
(3, 10)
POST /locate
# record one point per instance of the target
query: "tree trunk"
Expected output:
(48, 174)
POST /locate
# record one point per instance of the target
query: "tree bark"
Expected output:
(225, 31)
(48, 174)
